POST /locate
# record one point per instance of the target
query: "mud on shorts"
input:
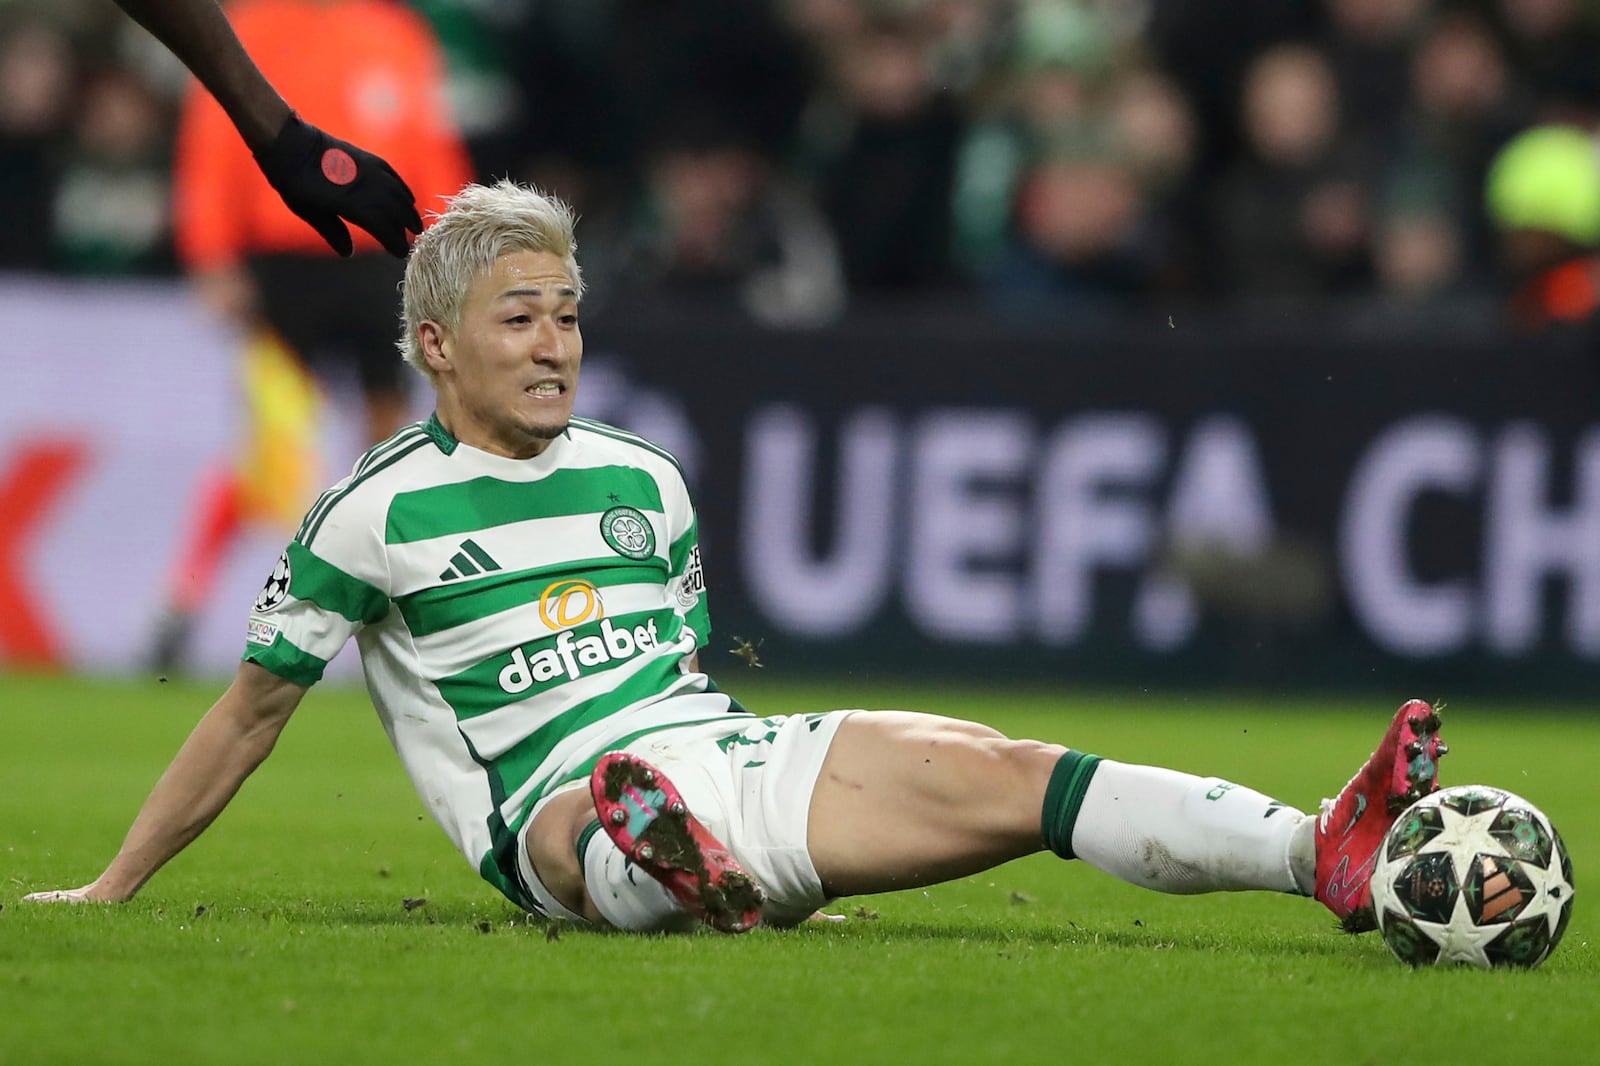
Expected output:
(751, 787)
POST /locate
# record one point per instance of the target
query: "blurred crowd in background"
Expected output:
(791, 157)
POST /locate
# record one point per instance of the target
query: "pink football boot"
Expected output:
(1352, 826)
(646, 817)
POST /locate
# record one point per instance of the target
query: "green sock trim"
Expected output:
(584, 837)
(1063, 798)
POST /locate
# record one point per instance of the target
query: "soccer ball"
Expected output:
(1474, 875)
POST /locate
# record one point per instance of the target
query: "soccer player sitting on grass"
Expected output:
(525, 588)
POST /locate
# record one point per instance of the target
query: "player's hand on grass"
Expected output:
(327, 181)
(87, 894)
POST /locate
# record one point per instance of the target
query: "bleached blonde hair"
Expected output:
(479, 225)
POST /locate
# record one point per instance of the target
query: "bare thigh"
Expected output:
(908, 799)
(553, 851)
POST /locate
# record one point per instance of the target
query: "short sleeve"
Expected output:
(687, 583)
(323, 589)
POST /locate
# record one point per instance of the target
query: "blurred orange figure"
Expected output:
(374, 71)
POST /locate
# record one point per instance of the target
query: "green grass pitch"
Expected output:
(295, 930)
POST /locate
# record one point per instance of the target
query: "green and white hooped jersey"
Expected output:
(516, 618)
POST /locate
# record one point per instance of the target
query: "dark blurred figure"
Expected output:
(881, 146)
(825, 23)
(1292, 214)
(1206, 47)
(969, 37)
(1543, 194)
(1048, 96)
(713, 223)
(480, 76)
(1418, 254)
(37, 70)
(1076, 248)
(111, 214)
(1098, 146)
(1158, 138)
(1370, 43)
(598, 79)
(1156, 128)
(1463, 105)
(1555, 47)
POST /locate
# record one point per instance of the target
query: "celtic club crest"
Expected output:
(628, 532)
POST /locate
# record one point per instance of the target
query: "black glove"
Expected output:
(323, 179)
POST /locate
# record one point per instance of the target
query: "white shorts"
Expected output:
(751, 788)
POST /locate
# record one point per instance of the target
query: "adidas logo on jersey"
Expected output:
(571, 656)
(470, 561)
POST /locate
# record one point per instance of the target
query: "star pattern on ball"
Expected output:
(1459, 939)
(1459, 829)
(1451, 888)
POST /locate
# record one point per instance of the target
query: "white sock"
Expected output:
(626, 896)
(1178, 833)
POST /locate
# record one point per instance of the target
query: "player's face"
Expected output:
(508, 375)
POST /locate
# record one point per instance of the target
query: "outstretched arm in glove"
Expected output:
(322, 179)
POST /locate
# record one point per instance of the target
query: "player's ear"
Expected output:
(435, 342)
